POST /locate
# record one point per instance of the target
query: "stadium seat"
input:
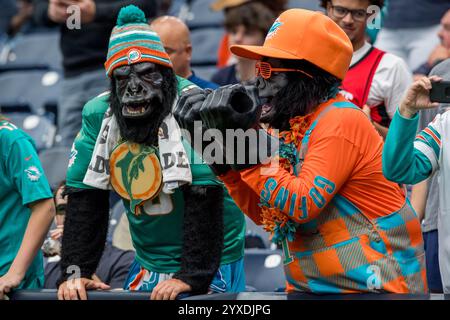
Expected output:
(40, 128)
(205, 72)
(202, 16)
(264, 269)
(305, 4)
(180, 9)
(205, 43)
(29, 90)
(253, 230)
(54, 162)
(196, 13)
(33, 51)
(206, 28)
(116, 213)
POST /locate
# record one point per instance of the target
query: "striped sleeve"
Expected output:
(407, 159)
(428, 142)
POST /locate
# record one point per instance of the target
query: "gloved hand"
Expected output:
(237, 107)
(231, 107)
(187, 114)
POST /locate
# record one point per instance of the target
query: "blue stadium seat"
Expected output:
(205, 43)
(202, 15)
(40, 128)
(305, 4)
(32, 51)
(196, 13)
(116, 213)
(54, 162)
(206, 28)
(32, 90)
(264, 269)
(254, 230)
(177, 6)
(205, 72)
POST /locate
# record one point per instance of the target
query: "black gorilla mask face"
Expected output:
(139, 88)
(289, 94)
(268, 90)
(142, 95)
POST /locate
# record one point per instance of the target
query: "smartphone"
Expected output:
(440, 92)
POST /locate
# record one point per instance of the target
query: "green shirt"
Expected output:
(157, 236)
(22, 181)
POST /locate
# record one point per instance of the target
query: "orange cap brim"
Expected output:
(257, 52)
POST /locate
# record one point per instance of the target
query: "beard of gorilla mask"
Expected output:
(286, 95)
(142, 95)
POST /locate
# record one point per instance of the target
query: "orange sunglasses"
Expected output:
(265, 70)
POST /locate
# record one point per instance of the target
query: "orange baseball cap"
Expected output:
(303, 34)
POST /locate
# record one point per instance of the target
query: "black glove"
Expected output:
(187, 114)
(231, 107)
(187, 111)
(238, 107)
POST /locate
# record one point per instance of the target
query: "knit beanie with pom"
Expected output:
(133, 41)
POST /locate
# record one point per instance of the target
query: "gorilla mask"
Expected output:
(286, 95)
(142, 95)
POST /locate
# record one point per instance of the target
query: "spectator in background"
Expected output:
(425, 195)
(175, 37)
(21, 18)
(9, 9)
(26, 211)
(410, 158)
(224, 57)
(84, 49)
(441, 52)
(376, 80)
(246, 24)
(165, 6)
(113, 266)
(60, 205)
(277, 6)
(410, 28)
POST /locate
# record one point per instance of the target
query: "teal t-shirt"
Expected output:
(22, 181)
(157, 234)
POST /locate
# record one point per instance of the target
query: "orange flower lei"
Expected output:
(299, 125)
(273, 220)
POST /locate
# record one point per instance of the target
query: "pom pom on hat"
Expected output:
(133, 41)
(131, 14)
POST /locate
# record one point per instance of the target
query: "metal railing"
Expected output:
(48, 294)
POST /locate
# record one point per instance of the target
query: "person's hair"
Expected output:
(277, 6)
(379, 3)
(252, 15)
(302, 94)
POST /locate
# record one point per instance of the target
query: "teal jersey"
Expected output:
(157, 233)
(22, 181)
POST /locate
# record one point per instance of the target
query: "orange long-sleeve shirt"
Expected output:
(344, 156)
